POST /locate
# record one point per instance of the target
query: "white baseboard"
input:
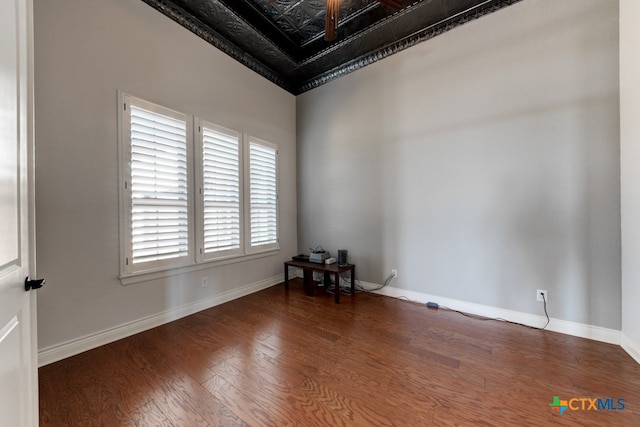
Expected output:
(76, 346)
(631, 347)
(596, 333)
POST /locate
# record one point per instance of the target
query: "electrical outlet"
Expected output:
(205, 282)
(394, 272)
(539, 293)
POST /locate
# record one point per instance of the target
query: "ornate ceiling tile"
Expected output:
(284, 40)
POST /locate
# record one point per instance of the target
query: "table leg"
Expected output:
(309, 286)
(337, 288)
(353, 281)
(286, 277)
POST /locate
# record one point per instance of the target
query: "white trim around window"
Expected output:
(193, 194)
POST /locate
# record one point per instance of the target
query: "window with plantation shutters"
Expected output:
(220, 191)
(157, 186)
(262, 194)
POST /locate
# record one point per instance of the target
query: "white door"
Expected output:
(18, 364)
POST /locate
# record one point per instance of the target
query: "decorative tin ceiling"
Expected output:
(283, 40)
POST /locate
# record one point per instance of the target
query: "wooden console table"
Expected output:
(328, 269)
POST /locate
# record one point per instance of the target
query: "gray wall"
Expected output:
(630, 165)
(482, 164)
(84, 52)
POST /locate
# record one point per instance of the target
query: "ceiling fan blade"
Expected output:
(331, 23)
(333, 15)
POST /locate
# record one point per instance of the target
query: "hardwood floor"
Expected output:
(278, 359)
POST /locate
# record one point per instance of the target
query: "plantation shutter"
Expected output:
(159, 186)
(263, 195)
(221, 190)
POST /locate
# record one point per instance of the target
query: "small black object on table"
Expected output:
(328, 269)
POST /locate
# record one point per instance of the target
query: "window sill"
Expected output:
(133, 278)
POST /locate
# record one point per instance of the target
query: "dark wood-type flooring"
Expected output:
(280, 359)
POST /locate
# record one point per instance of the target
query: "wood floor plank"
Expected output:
(150, 415)
(276, 358)
(349, 409)
(249, 405)
(271, 399)
(183, 394)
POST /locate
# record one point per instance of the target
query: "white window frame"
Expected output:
(194, 260)
(249, 248)
(126, 237)
(203, 254)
